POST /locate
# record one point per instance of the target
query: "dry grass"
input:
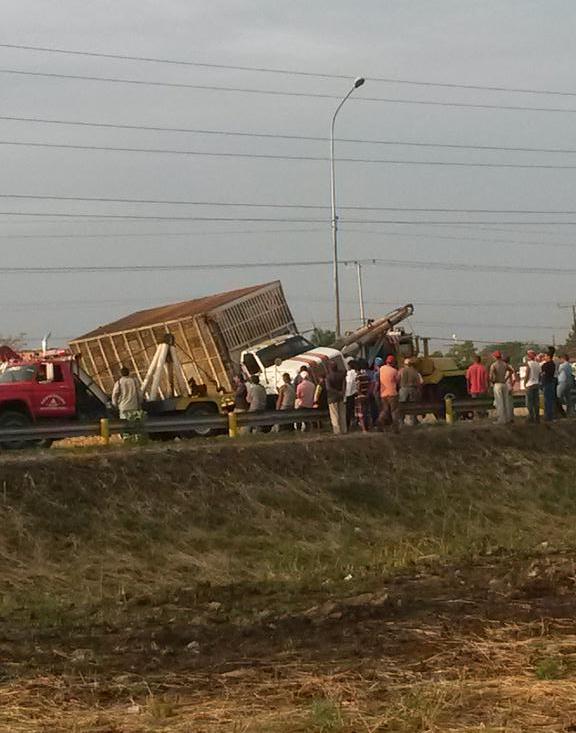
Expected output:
(481, 685)
(342, 586)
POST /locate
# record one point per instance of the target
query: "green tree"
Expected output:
(322, 337)
(516, 350)
(570, 345)
(462, 353)
(436, 354)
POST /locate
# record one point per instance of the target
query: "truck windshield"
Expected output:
(18, 374)
(291, 347)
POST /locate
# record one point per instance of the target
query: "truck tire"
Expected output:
(16, 420)
(200, 411)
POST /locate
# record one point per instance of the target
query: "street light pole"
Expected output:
(357, 83)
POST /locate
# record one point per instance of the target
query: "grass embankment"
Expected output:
(88, 530)
(398, 584)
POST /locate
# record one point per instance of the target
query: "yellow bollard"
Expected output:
(105, 430)
(232, 425)
(448, 402)
(541, 404)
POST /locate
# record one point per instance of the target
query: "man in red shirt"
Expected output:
(477, 378)
(390, 411)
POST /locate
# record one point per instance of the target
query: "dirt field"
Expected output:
(420, 583)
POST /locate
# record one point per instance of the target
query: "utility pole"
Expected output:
(360, 292)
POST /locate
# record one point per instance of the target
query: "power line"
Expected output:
(293, 220)
(308, 230)
(273, 156)
(63, 304)
(448, 237)
(459, 324)
(235, 232)
(285, 72)
(252, 204)
(402, 264)
(279, 136)
(281, 93)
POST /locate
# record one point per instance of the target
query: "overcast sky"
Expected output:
(520, 44)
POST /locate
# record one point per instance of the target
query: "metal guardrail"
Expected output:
(176, 425)
(182, 425)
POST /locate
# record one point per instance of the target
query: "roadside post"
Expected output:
(105, 430)
(449, 405)
(232, 425)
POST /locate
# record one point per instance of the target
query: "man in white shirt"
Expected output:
(532, 386)
(350, 392)
(126, 396)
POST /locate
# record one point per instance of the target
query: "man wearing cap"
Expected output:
(410, 384)
(389, 410)
(502, 398)
(532, 386)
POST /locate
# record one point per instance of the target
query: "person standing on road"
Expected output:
(320, 399)
(285, 400)
(565, 384)
(335, 387)
(286, 394)
(498, 378)
(304, 396)
(532, 386)
(510, 382)
(362, 405)
(477, 378)
(351, 375)
(257, 399)
(390, 415)
(410, 384)
(548, 379)
(375, 389)
(126, 396)
(240, 394)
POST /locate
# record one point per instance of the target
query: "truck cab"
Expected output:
(287, 354)
(37, 390)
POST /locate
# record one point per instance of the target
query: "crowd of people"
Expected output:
(363, 396)
(375, 396)
(540, 373)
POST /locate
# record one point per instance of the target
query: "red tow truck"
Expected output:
(38, 387)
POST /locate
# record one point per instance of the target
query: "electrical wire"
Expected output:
(125, 235)
(252, 204)
(403, 264)
(142, 217)
(279, 136)
(274, 156)
(286, 72)
(146, 217)
(156, 217)
(282, 93)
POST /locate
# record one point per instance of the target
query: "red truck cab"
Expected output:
(36, 389)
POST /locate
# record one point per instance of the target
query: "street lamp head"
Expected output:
(358, 82)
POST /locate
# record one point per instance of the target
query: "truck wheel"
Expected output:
(199, 411)
(15, 421)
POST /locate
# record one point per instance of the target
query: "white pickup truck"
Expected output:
(287, 354)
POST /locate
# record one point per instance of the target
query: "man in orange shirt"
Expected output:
(390, 410)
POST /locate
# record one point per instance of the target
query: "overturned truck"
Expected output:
(210, 334)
